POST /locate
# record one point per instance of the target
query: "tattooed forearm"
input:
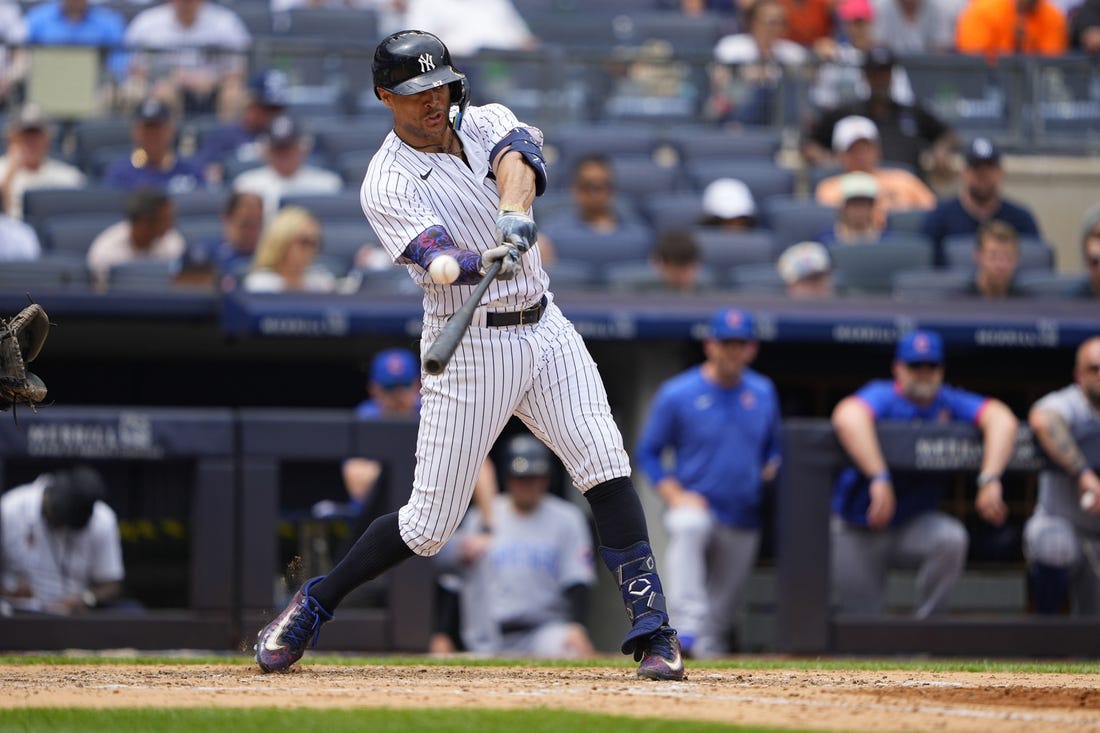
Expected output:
(1060, 445)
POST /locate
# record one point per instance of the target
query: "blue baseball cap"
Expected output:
(394, 368)
(918, 346)
(732, 323)
(270, 87)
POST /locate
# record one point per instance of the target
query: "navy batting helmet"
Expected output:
(408, 62)
(527, 456)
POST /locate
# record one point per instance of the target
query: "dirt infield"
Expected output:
(824, 699)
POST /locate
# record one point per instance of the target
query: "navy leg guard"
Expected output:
(1050, 586)
(635, 569)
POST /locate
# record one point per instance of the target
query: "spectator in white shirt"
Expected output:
(148, 232)
(27, 164)
(286, 149)
(195, 51)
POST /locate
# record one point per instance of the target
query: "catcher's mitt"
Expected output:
(21, 339)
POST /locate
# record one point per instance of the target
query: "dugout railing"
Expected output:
(805, 623)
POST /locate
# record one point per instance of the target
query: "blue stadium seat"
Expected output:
(794, 219)
(73, 235)
(142, 276)
(930, 283)
(1042, 284)
(599, 249)
(43, 206)
(200, 202)
(870, 268)
(640, 176)
(49, 272)
(199, 228)
(570, 142)
(758, 277)
(763, 177)
(698, 142)
(723, 249)
(329, 24)
(958, 251)
(342, 205)
(678, 210)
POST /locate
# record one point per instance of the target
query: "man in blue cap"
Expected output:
(154, 162)
(881, 521)
(242, 141)
(720, 420)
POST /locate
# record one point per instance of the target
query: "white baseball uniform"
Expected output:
(541, 372)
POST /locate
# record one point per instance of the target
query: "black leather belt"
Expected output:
(516, 318)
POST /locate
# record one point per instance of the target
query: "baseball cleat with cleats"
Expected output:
(661, 658)
(283, 641)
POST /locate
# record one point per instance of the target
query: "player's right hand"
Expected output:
(517, 229)
(507, 255)
(883, 503)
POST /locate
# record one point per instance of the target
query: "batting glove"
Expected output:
(517, 229)
(507, 255)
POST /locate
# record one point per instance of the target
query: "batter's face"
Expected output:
(918, 382)
(423, 118)
(1087, 371)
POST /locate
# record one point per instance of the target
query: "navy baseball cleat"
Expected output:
(283, 641)
(661, 657)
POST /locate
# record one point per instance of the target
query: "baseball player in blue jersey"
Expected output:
(721, 421)
(880, 520)
(455, 184)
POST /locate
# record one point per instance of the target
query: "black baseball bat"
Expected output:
(444, 347)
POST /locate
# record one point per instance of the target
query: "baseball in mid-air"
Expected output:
(1087, 500)
(444, 269)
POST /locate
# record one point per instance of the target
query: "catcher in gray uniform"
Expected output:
(1062, 537)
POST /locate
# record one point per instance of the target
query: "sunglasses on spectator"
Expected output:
(924, 365)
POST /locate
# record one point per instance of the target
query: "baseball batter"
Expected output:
(457, 181)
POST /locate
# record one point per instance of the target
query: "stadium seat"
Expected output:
(200, 202)
(697, 142)
(73, 235)
(641, 277)
(96, 134)
(677, 210)
(1035, 254)
(599, 249)
(685, 33)
(199, 228)
(343, 238)
(930, 283)
(142, 276)
(48, 272)
(571, 142)
(870, 268)
(763, 177)
(43, 206)
(640, 176)
(758, 277)
(328, 24)
(573, 275)
(723, 249)
(343, 205)
(909, 220)
(1042, 284)
(794, 219)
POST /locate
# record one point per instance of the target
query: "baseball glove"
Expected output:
(21, 340)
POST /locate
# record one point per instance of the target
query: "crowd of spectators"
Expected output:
(202, 118)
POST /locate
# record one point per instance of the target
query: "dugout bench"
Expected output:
(200, 439)
(805, 624)
(271, 441)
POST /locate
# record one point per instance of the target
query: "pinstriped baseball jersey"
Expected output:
(541, 372)
(405, 191)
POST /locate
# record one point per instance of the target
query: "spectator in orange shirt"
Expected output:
(855, 142)
(995, 27)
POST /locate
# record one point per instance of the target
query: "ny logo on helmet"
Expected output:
(426, 62)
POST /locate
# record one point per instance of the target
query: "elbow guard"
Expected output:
(521, 141)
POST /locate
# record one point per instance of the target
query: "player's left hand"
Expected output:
(517, 229)
(509, 261)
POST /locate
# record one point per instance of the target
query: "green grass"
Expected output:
(744, 663)
(238, 720)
